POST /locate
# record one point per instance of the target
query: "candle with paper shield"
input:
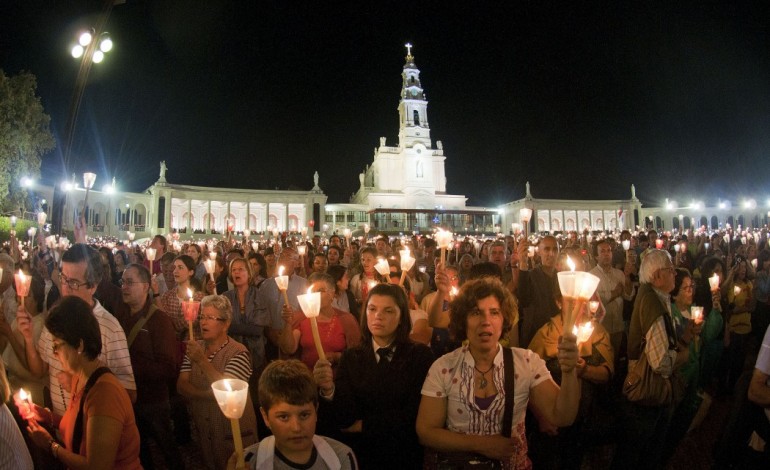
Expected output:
(382, 267)
(736, 291)
(31, 232)
(347, 233)
(311, 307)
(190, 310)
(626, 246)
(659, 244)
(150, 253)
(696, 315)
(525, 214)
(210, 265)
(576, 289)
(301, 249)
(283, 284)
(41, 218)
(406, 264)
(714, 282)
(593, 306)
(303, 232)
(583, 332)
(444, 241)
(22, 284)
(232, 396)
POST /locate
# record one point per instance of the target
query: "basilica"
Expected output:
(403, 190)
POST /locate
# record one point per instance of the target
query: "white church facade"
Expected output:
(403, 190)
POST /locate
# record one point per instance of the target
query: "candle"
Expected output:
(41, 218)
(23, 403)
(525, 214)
(583, 332)
(530, 252)
(283, 284)
(444, 241)
(754, 263)
(304, 232)
(593, 305)
(696, 314)
(232, 396)
(406, 264)
(190, 309)
(659, 244)
(453, 292)
(382, 267)
(682, 247)
(714, 282)
(311, 307)
(626, 245)
(212, 255)
(736, 291)
(22, 284)
(301, 249)
(347, 233)
(210, 265)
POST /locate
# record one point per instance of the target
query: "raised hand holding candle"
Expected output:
(22, 284)
(406, 264)
(311, 307)
(190, 310)
(444, 241)
(714, 282)
(283, 284)
(232, 396)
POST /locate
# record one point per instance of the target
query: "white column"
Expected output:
(208, 219)
(286, 217)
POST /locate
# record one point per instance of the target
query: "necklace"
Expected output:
(483, 382)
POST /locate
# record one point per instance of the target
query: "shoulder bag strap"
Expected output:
(77, 434)
(509, 391)
(139, 324)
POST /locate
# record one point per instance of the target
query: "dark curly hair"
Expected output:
(467, 300)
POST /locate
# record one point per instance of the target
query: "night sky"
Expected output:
(581, 100)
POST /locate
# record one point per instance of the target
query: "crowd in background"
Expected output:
(416, 369)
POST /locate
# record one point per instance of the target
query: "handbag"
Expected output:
(645, 387)
(437, 460)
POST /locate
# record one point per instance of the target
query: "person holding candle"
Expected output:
(688, 331)
(338, 330)
(288, 400)
(360, 283)
(651, 332)
(98, 429)
(534, 289)
(160, 245)
(465, 392)
(13, 450)
(214, 357)
(186, 284)
(740, 297)
(374, 397)
(193, 250)
(712, 300)
(343, 299)
(80, 274)
(595, 367)
(151, 342)
(615, 286)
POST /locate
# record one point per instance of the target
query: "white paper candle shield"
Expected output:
(41, 218)
(310, 303)
(696, 314)
(150, 252)
(382, 267)
(301, 249)
(231, 396)
(583, 332)
(282, 281)
(525, 214)
(626, 244)
(22, 283)
(714, 282)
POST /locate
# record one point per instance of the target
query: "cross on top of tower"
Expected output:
(408, 49)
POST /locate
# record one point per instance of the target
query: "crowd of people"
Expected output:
(437, 362)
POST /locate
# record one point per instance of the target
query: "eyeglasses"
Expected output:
(72, 283)
(210, 318)
(130, 282)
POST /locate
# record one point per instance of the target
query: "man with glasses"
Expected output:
(80, 274)
(151, 340)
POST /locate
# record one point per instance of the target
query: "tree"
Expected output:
(25, 136)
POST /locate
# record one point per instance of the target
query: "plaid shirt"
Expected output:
(659, 355)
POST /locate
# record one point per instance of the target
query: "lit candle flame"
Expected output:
(280, 270)
(189, 294)
(23, 394)
(571, 264)
(583, 332)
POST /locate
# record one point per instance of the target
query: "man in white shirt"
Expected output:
(614, 286)
(80, 274)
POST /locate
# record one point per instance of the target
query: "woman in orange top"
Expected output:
(106, 436)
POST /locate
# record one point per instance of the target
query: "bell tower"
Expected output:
(413, 107)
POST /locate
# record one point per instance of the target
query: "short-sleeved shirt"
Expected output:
(114, 355)
(451, 376)
(238, 367)
(106, 398)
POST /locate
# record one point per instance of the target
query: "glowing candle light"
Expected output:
(714, 282)
(406, 264)
(41, 218)
(22, 284)
(444, 241)
(736, 291)
(382, 267)
(583, 332)
(659, 244)
(593, 305)
(283, 284)
(301, 249)
(232, 396)
(23, 403)
(210, 265)
(453, 292)
(190, 310)
(311, 307)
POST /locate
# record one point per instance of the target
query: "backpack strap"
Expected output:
(77, 434)
(509, 391)
(139, 324)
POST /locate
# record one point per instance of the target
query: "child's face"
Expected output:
(293, 426)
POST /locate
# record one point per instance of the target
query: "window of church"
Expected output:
(416, 118)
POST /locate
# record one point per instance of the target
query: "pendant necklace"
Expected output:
(483, 382)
